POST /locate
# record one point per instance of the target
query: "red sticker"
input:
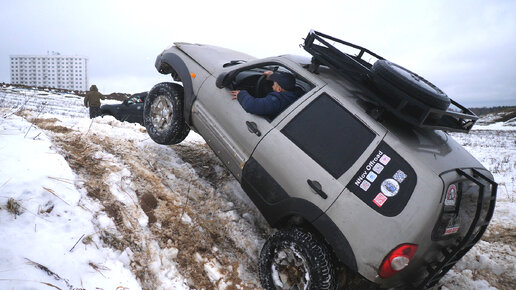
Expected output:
(451, 230)
(380, 199)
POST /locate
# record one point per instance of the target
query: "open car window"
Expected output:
(256, 84)
(250, 80)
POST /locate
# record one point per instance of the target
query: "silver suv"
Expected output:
(357, 175)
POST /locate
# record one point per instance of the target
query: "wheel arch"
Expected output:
(171, 63)
(280, 209)
(302, 213)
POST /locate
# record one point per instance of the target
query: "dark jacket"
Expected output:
(271, 105)
(92, 98)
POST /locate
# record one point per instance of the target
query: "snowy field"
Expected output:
(98, 205)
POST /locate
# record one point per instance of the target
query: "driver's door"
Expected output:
(230, 131)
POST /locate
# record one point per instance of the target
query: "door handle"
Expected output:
(253, 128)
(316, 186)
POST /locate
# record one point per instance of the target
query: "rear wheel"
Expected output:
(163, 114)
(296, 259)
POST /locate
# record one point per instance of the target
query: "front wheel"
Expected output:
(296, 259)
(163, 114)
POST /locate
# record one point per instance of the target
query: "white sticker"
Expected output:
(378, 168)
(390, 187)
(385, 159)
(371, 176)
(365, 185)
(451, 195)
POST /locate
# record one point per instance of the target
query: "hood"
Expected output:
(94, 88)
(212, 58)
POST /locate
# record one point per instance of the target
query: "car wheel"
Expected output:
(392, 78)
(296, 259)
(163, 114)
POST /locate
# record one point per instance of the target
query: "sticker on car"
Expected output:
(387, 173)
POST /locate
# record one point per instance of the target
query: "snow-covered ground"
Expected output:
(97, 204)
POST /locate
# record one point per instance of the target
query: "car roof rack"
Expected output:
(358, 69)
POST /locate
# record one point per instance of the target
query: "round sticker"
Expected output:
(390, 187)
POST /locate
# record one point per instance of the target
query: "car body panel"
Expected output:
(211, 58)
(129, 112)
(274, 167)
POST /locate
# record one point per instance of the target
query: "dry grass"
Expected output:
(164, 204)
(14, 207)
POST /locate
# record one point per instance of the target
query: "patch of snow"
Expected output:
(34, 175)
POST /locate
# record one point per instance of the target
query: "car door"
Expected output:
(308, 155)
(230, 131)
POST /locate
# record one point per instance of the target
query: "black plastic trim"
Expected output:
(171, 63)
(337, 241)
(278, 207)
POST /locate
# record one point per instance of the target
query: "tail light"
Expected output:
(397, 260)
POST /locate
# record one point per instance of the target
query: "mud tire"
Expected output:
(163, 114)
(312, 251)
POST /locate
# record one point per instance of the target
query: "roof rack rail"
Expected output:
(403, 106)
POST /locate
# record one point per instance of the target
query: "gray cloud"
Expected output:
(464, 47)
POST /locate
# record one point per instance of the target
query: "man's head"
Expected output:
(94, 88)
(283, 80)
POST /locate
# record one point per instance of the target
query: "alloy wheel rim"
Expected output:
(161, 113)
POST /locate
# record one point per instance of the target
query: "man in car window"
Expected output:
(283, 94)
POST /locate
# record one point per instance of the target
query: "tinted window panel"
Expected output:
(329, 134)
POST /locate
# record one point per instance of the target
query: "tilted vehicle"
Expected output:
(358, 175)
(130, 110)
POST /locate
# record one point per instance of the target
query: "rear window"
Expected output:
(329, 134)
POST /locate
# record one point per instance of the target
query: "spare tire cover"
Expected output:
(409, 84)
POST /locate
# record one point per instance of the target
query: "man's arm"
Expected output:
(260, 106)
(86, 100)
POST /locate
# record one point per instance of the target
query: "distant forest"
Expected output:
(505, 112)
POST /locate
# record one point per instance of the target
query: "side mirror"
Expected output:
(223, 80)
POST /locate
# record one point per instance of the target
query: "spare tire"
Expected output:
(395, 79)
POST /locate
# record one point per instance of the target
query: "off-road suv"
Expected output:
(357, 175)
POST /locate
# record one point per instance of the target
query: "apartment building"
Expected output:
(51, 70)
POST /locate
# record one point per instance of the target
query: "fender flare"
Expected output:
(278, 208)
(279, 213)
(171, 63)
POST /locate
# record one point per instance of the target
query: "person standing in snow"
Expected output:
(283, 94)
(92, 100)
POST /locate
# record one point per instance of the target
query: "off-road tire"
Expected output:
(394, 79)
(314, 252)
(175, 130)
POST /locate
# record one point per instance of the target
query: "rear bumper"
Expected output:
(454, 241)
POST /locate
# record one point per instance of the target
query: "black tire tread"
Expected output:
(178, 129)
(383, 72)
(317, 253)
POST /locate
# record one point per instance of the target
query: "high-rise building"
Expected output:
(51, 70)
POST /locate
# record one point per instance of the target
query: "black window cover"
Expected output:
(329, 134)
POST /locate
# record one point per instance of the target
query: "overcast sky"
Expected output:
(467, 48)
